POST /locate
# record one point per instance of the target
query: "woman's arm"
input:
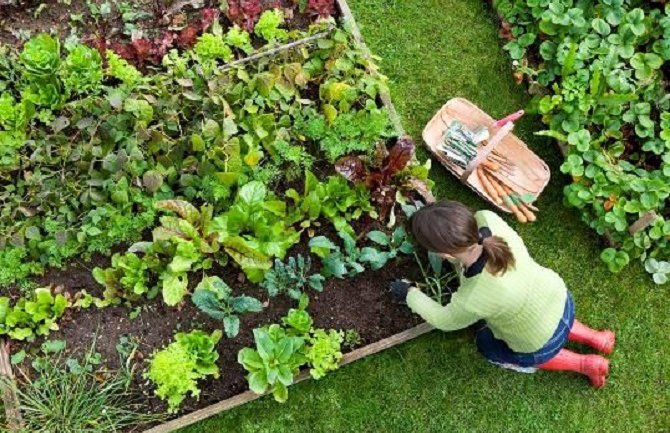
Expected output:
(448, 318)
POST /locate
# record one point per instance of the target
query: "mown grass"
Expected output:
(432, 51)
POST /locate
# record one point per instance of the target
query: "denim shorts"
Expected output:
(498, 352)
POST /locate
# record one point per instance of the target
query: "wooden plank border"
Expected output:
(348, 18)
(248, 396)
(8, 389)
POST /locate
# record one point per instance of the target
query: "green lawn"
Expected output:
(433, 51)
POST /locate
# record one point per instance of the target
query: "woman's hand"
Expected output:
(399, 290)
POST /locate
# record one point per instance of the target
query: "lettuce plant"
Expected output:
(324, 353)
(267, 26)
(34, 316)
(274, 363)
(282, 350)
(129, 277)
(81, 71)
(240, 39)
(214, 298)
(298, 321)
(176, 369)
(120, 69)
(212, 47)
(40, 57)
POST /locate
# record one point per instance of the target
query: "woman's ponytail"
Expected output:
(499, 256)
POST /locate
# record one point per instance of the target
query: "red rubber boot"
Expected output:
(595, 367)
(602, 341)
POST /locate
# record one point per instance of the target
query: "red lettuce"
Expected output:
(379, 180)
(244, 13)
(324, 8)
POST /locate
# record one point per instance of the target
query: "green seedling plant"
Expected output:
(292, 278)
(214, 297)
(337, 262)
(395, 243)
(176, 369)
(436, 279)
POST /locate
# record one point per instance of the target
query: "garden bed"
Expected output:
(360, 304)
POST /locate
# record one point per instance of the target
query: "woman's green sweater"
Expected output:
(522, 307)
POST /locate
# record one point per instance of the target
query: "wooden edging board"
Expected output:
(248, 396)
(348, 19)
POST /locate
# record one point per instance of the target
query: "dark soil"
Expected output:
(361, 303)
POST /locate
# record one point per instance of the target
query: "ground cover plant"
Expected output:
(167, 201)
(599, 73)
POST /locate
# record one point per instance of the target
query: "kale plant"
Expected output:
(214, 298)
(292, 277)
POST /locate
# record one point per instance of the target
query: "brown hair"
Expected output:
(449, 227)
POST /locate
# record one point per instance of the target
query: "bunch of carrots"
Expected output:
(502, 194)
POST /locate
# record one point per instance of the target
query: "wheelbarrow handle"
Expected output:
(511, 118)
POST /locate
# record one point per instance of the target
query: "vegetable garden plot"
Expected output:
(172, 216)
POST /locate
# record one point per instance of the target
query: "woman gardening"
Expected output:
(524, 313)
